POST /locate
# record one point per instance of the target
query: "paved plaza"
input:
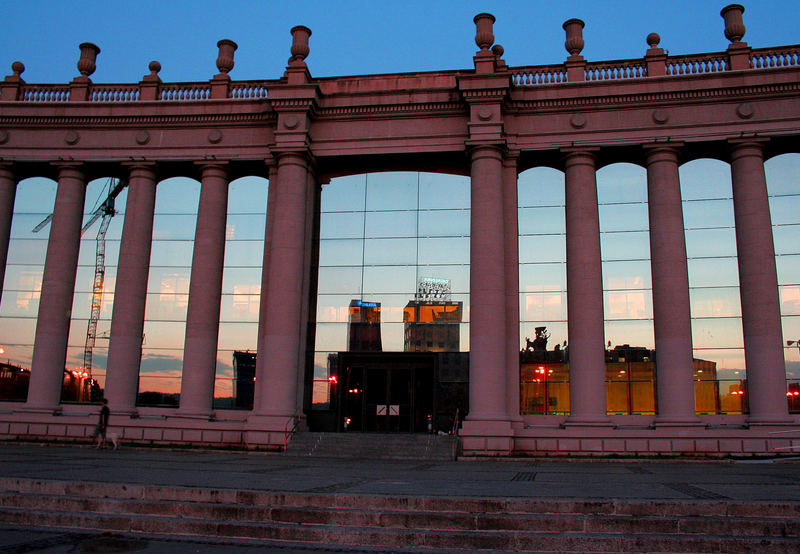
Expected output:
(760, 480)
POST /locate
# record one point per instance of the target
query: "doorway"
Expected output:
(386, 392)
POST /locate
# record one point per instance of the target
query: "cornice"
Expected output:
(653, 98)
(391, 109)
(180, 120)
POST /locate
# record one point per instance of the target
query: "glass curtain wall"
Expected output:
(19, 306)
(241, 293)
(720, 376)
(544, 376)
(783, 186)
(85, 369)
(174, 221)
(383, 237)
(627, 289)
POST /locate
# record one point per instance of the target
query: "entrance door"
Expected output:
(386, 393)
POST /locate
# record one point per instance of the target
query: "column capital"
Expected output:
(739, 145)
(218, 168)
(486, 150)
(662, 151)
(579, 155)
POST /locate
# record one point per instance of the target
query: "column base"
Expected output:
(46, 410)
(587, 421)
(268, 432)
(677, 422)
(487, 437)
(770, 420)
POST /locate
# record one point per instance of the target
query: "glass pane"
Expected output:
(390, 251)
(391, 224)
(705, 178)
(701, 243)
(342, 225)
(540, 186)
(628, 304)
(625, 246)
(625, 274)
(392, 191)
(544, 306)
(438, 190)
(344, 280)
(542, 277)
(715, 302)
(444, 223)
(541, 221)
(542, 248)
(623, 217)
(444, 250)
(720, 272)
(717, 333)
(634, 333)
(341, 252)
(244, 253)
(703, 214)
(621, 182)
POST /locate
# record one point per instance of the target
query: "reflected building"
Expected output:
(244, 378)
(432, 321)
(364, 326)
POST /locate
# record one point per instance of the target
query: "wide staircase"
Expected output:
(404, 523)
(373, 446)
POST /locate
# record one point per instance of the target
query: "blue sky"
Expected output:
(355, 37)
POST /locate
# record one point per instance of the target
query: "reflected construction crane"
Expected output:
(104, 212)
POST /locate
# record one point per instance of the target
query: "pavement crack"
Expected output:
(336, 487)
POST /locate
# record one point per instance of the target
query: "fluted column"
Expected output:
(487, 292)
(130, 293)
(511, 259)
(58, 286)
(8, 190)
(205, 293)
(587, 388)
(758, 286)
(671, 313)
(278, 361)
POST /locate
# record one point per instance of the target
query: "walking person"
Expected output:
(102, 424)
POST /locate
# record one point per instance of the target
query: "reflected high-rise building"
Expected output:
(432, 321)
(364, 326)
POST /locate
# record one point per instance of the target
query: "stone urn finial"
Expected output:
(18, 68)
(653, 39)
(300, 49)
(154, 68)
(225, 58)
(484, 35)
(574, 42)
(734, 24)
(86, 63)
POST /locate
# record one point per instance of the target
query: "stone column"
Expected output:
(272, 195)
(8, 190)
(488, 414)
(672, 317)
(58, 286)
(205, 293)
(587, 367)
(511, 258)
(758, 286)
(130, 293)
(278, 361)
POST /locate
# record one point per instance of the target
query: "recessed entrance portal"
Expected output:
(386, 392)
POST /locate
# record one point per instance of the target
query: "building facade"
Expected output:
(489, 125)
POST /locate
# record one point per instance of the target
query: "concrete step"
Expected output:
(405, 522)
(379, 446)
